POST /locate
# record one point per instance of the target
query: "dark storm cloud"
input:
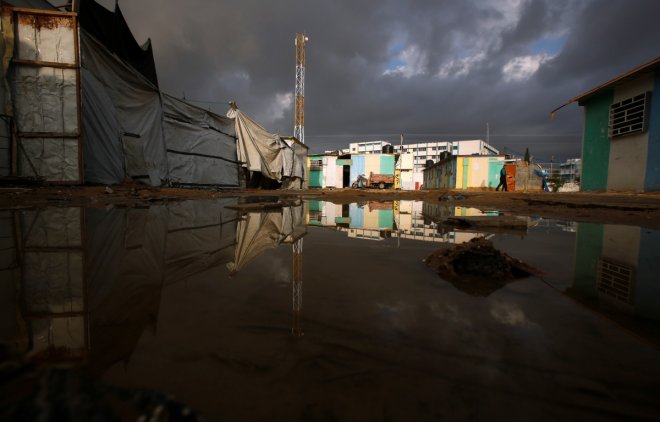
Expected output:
(428, 68)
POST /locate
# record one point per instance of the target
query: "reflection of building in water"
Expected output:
(53, 285)
(616, 271)
(382, 220)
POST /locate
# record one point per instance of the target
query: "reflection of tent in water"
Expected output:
(91, 279)
(125, 275)
(200, 235)
(81, 79)
(260, 231)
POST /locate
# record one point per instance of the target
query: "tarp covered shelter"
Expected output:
(258, 150)
(103, 118)
(201, 146)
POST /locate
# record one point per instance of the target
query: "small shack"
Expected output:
(621, 138)
(464, 172)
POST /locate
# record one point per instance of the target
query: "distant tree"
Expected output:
(527, 155)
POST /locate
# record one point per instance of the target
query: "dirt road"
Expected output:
(614, 208)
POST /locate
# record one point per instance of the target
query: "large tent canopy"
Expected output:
(261, 151)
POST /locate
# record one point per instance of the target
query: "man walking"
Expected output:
(502, 180)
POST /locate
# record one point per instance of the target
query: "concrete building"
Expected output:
(367, 147)
(426, 150)
(341, 171)
(570, 170)
(621, 140)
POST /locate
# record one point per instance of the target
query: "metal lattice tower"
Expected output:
(299, 133)
(299, 105)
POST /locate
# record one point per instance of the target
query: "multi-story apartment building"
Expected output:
(367, 147)
(570, 170)
(424, 151)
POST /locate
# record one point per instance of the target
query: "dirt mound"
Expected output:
(477, 268)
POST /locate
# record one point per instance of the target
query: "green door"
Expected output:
(465, 173)
(315, 178)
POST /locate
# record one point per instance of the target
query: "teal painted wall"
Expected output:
(385, 219)
(314, 205)
(494, 167)
(386, 164)
(588, 249)
(652, 179)
(315, 178)
(647, 283)
(595, 142)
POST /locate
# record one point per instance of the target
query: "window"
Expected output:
(615, 280)
(629, 116)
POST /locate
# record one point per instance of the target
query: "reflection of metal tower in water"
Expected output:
(298, 132)
(297, 286)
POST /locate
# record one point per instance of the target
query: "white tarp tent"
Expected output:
(258, 150)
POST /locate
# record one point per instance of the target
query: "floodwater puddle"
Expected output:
(315, 310)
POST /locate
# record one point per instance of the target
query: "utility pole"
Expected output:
(487, 133)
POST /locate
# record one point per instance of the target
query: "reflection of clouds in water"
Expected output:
(279, 270)
(449, 312)
(401, 315)
(508, 314)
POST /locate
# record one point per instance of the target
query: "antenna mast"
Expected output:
(299, 106)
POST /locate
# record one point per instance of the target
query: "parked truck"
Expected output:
(380, 181)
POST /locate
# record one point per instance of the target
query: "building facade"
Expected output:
(464, 172)
(621, 139)
(424, 151)
(570, 170)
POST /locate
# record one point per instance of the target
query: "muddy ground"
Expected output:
(641, 209)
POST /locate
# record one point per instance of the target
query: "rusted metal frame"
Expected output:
(76, 43)
(42, 12)
(76, 67)
(41, 63)
(14, 147)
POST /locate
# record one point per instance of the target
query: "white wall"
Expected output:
(628, 154)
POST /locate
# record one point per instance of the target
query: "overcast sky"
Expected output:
(430, 69)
